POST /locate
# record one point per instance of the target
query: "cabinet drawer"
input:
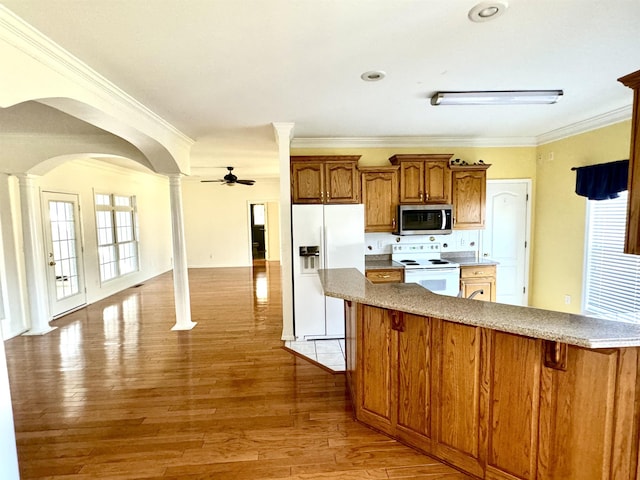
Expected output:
(477, 271)
(395, 275)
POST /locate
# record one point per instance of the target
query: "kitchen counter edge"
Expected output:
(582, 331)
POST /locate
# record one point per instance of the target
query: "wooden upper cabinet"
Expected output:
(632, 240)
(438, 181)
(424, 178)
(380, 198)
(469, 191)
(307, 182)
(412, 182)
(342, 182)
(325, 179)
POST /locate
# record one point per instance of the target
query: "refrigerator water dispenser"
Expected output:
(309, 259)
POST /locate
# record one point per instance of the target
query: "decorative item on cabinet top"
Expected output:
(463, 163)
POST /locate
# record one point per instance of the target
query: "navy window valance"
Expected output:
(602, 181)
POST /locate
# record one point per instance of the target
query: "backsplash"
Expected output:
(458, 241)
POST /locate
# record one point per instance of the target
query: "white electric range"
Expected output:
(424, 265)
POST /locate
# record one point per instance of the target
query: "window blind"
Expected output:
(612, 278)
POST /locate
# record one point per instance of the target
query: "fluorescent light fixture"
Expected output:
(510, 97)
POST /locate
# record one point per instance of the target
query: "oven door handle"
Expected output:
(430, 270)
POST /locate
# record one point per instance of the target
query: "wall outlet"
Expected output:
(567, 299)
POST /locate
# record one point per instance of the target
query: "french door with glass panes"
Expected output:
(63, 249)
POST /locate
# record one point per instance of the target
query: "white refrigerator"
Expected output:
(323, 236)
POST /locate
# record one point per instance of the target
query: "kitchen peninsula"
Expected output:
(499, 391)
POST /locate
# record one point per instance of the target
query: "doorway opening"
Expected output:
(258, 233)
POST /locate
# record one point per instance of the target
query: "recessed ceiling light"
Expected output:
(373, 76)
(486, 11)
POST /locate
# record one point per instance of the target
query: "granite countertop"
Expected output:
(379, 264)
(579, 330)
(469, 260)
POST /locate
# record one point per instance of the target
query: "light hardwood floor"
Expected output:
(114, 393)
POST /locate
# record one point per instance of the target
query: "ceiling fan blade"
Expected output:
(210, 181)
(246, 182)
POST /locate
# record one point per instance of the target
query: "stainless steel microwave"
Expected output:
(424, 219)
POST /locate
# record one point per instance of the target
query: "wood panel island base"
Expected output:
(498, 391)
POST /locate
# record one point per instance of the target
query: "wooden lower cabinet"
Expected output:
(414, 374)
(589, 416)
(491, 404)
(514, 391)
(376, 347)
(474, 278)
(351, 346)
(460, 395)
(386, 275)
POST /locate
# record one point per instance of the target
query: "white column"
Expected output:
(34, 257)
(180, 272)
(283, 133)
(12, 265)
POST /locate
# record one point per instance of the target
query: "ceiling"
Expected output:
(222, 71)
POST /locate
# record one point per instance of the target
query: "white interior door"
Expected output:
(506, 238)
(63, 244)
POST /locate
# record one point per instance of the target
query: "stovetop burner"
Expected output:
(409, 262)
(420, 256)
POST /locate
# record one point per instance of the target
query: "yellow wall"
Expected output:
(507, 162)
(558, 242)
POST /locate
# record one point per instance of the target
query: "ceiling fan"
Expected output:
(231, 179)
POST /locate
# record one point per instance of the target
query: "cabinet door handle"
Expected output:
(397, 321)
(380, 275)
(393, 223)
(478, 273)
(555, 355)
(420, 196)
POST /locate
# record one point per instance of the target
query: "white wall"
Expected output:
(86, 177)
(217, 223)
(8, 453)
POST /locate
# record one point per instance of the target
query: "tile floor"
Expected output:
(329, 353)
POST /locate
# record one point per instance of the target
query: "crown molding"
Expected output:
(18, 33)
(410, 142)
(599, 121)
